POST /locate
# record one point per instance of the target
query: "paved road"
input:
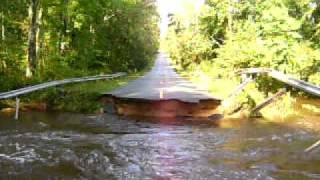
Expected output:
(162, 83)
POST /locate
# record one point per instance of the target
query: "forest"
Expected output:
(43, 40)
(46, 40)
(173, 114)
(229, 35)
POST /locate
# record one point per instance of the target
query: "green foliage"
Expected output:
(234, 35)
(189, 48)
(230, 35)
(74, 97)
(76, 38)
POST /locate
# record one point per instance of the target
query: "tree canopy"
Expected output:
(228, 35)
(51, 39)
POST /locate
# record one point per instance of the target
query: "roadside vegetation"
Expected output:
(226, 36)
(83, 97)
(45, 40)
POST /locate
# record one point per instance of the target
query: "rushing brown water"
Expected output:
(74, 146)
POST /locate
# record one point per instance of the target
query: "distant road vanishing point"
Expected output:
(162, 93)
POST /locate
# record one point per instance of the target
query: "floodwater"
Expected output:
(75, 146)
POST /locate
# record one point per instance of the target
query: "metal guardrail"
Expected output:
(30, 89)
(299, 84)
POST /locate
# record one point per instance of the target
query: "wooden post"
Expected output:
(267, 102)
(228, 101)
(246, 81)
(312, 147)
(16, 117)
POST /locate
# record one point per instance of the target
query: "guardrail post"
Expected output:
(254, 112)
(312, 147)
(16, 117)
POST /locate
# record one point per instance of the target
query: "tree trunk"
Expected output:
(3, 36)
(230, 18)
(63, 33)
(39, 22)
(32, 39)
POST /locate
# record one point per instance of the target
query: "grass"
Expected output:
(284, 108)
(78, 97)
(82, 97)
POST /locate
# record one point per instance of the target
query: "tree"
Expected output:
(54, 39)
(243, 34)
(32, 38)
